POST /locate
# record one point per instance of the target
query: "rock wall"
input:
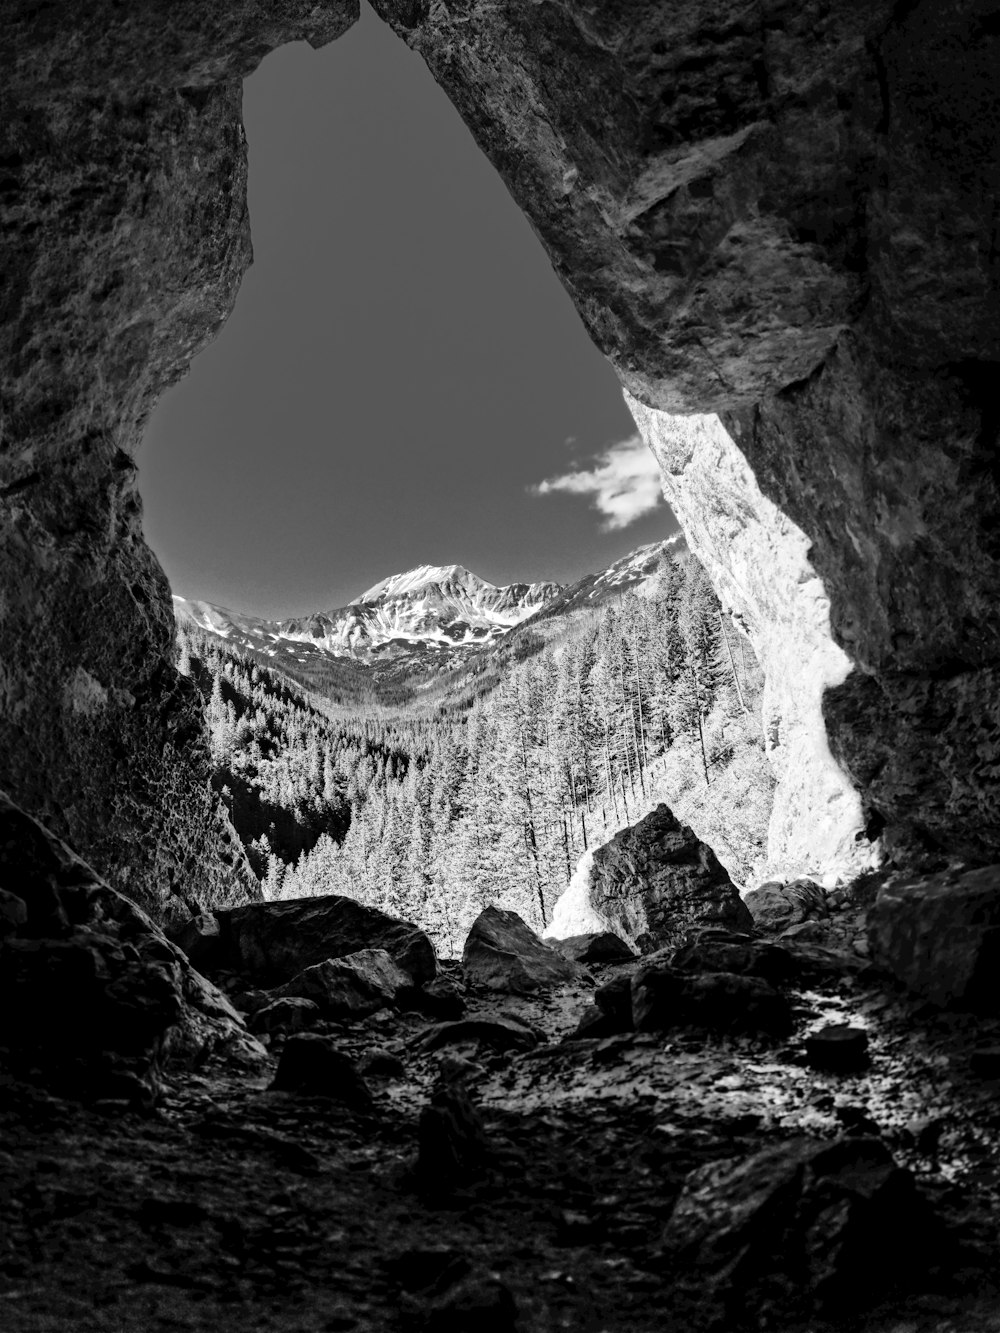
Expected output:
(786, 213)
(779, 210)
(124, 238)
(758, 561)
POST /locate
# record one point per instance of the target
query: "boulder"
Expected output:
(595, 1024)
(614, 999)
(739, 954)
(441, 998)
(312, 1064)
(353, 986)
(502, 1034)
(940, 936)
(503, 954)
(269, 943)
(838, 1048)
(663, 998)
(800, 1227)
(94, 1000)
(598, 948)
(656, 881)
(200, 939)
(775, 906)
(289, 1014)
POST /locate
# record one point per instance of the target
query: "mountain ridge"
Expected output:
(419, 622)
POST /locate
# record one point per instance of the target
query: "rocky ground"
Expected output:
(558, 1201)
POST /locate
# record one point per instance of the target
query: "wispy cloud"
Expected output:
(623, 481)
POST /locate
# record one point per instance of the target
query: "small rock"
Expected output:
(13, 913)
(502, 1034)
(600, 948)
(382, 1064)
(313, 1065)
(502, 953)
(289, 1014)
(614, 999)
(453, 1147)
(200, 938)
(441, 998)
(479, 1303)
(985, 1062)
(838, 1048)
(595, 1022)
(775, 906)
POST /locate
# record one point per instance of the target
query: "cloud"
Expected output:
(623, 481)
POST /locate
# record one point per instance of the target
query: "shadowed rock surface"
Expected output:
(93, 999)
(940, 935)
(269, 943)
(656, 881)
(502, 953)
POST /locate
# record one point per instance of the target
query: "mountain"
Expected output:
(415, 625)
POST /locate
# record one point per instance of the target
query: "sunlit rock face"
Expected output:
(758, 560)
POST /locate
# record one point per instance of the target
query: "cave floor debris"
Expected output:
(234, 1207)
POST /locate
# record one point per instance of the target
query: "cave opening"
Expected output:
(401, 365)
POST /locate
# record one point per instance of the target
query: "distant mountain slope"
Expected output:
(414, 627)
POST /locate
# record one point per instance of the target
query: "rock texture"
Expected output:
(758, 561)
(358, 984)
(502, 953)
(650, 885)
(94, 1001)
(830, 1224)
(270, 943)
(123, 240)
(786, 215)
(780, 212)
(940, 935)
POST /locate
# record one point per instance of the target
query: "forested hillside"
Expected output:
(494, 800)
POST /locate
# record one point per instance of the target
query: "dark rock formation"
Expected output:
(452, 1138)
(353, 986)
(774, 907)
(312, 1064)
(502, 953)
(739, 955)
(656, 881)
(269, 943)
(93, 998)
(838, 1048)
(501, 1034)
(600, 948)
(289, 1014)
(940, 935)
(801, 1227)
(663, 998)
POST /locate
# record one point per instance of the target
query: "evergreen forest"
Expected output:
(494, 794)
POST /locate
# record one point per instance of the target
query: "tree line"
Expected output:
(431, 818)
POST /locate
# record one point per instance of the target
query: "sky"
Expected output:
(403, 381)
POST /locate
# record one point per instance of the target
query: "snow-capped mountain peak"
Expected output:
(404, 585)
(426, 614)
